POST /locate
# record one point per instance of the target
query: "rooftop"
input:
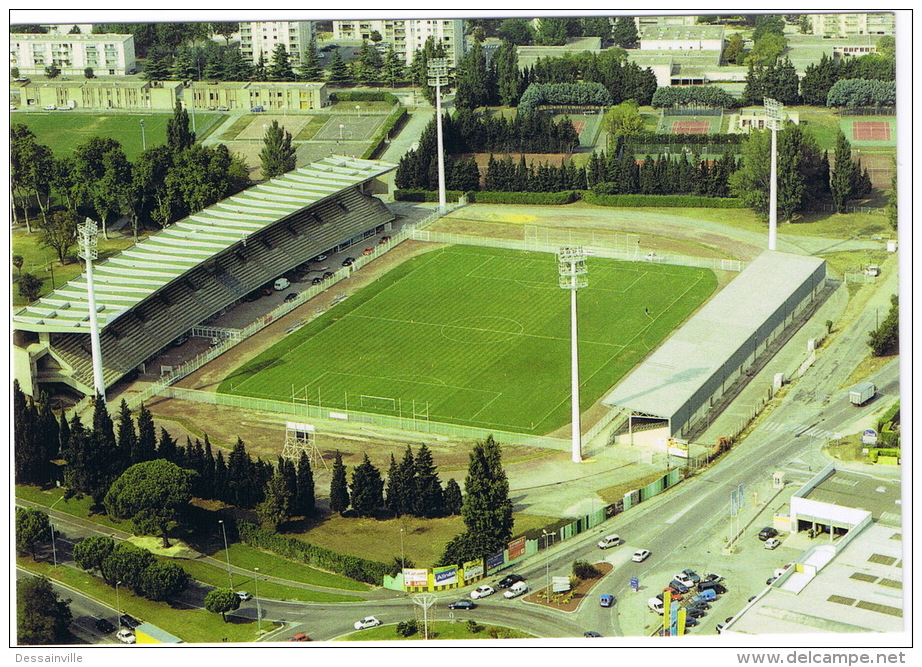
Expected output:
(881, 499)
(682, 32)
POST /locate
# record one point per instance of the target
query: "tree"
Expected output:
(29, 286)
(126, 563)
(91, 552)
(221, 601)
(508, 76)
(844, 175)
(304, 503)
(428, 498)
(161, 581)
(275, 509)
(52, 71)
(487, 510)
(734, 50)
(367, 490)
(147, 437)
(885, 339)
(33, 168)
(178, 135)
(153, 494)
(767, 24)
(516, 31)
(595, 26)
(339, 73)
(277, 155)
(453, 498)
(102, 175)
(14, 72)
(339, 492)
(59, 232)
(88, 73)
(225, 28)
(310, 64)
(17, 261)
(127, 437)
(624, 32)
(41, 616)
(472, 90)
(623, 119)
(32, 528)
(394, 68)
(892, 197)
(280, 68)
(767, 49)
(400, 484)
(158, 65)
(552, 31)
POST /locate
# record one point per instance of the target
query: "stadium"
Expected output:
(462, 337)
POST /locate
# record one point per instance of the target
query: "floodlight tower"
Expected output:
(571, 263)
(774, 117)
(88, 233)
(438, 77)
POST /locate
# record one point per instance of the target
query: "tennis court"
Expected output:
(350, 128)
(871, 130)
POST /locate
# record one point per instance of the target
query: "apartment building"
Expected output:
(407, 36)
(102, 95)
(270, 95)
(264, 37)
(844, 25)
(107, 54)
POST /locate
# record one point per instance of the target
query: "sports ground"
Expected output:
(476, 336)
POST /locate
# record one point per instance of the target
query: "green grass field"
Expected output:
(63, 131)
(481, 336)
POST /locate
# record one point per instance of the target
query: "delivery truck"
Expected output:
(862, 393)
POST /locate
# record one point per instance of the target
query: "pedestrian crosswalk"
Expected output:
(801, 430)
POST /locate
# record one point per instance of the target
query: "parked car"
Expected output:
(699, 604)
(482, 592)
(695, 612)
(640, 555)
(50, 107)
(691, 575)
(713, 577)
(462, 604)
(772, 543)
(128, 621)
(690, 622)
(281, 283)
(104, 625)
(707, 595)
(591, 633)
(517, 589)
(316, 281)
(257, 109)
(291, 296)
(606, 600)
(678, 586)
(126, 636)
(384, 239)
(720, 627)
(718, 588)
(770, 581)
(319, 258)
(610, 541)
(300, 637)
(327, 274)
(368, 250)
(244, 596)
(367, 622)
(349, 261)
(656, 604)
(65, 107)
(510, 579)
(222, 109)
(767, 532)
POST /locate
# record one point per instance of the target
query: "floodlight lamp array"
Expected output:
(89, 240)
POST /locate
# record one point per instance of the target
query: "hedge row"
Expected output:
(384, 132)
(420, 195)
(547, 198)
(363, 96)
(679, 139)
(360, 569)
(671, 201)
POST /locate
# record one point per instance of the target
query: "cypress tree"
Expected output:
(453, 498)
(220, 486)
(310, 65)
(277, 155)
(487, 510)
(166, 448)
(367, 490)
(339, 492)
(843, 178)
(304, 501)
(147, 437)
(127, 437)
(428, 500)
(178, 135)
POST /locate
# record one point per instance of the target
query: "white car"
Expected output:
(244, 596)
(367, 622)
(640, 555)
(517, 589)
(772, 543)
(126, 636)
(50, 107)
(610, 541)
(482, 592)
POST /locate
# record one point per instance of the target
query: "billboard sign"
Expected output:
(517, 548)
(869, 437)
(495, 560)
(414, 577)
(473, 569)
(445, 576)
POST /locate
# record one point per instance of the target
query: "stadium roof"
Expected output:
(671, 375)
(135, 274)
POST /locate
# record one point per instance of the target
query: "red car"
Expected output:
(300, 637)
(368, 250)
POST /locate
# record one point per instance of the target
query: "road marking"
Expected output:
(671, 520)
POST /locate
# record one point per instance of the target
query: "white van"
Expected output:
(281, 283)
(656, 605)
(609, 541)
(516, 590)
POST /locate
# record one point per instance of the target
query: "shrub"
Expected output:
(473, 627)
(584, 570)
(583, 93)
(545, 198)
(681, 201)
(384, 132)
(363, 96)
(420, 195)
(407, 628)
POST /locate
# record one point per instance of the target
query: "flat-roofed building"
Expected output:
(844, 24)
(263, 37)
(644, 21)
(683, 38)
(406, 35)
(102, 95)
(270, 95)
(105, 54)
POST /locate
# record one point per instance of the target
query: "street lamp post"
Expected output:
(571, 264)
(341, 126)
(118, 605)
(358, 110)
(547, 564)
(438, 77)
(259, 626)
(143, 138)
(403, 559)
(54, 551)
(230, 581)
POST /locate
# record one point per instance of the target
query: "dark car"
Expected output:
(291, 296)
(694, 612)
(384, 239)
(510, 579)
(718, 588)
(678, 586)
(591, 633)
(462, 604)
(690, 622)
(767, 533)
(128, 621)
(700, 604)
(104, 626)
(327, 274)
(316, 281)
(349, 261)
(692, 576)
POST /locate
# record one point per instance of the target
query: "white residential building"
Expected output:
(682, 38)
(406, 36)
(72, 54)
(264, 36)
(844, 25)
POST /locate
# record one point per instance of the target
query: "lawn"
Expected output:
(63, 131)
(437, 630)
(477, 336)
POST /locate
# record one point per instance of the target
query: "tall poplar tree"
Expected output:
(843, 177)
(304, 500)
(487, 509)
(277, 155)
(339, 491)
(428, 499)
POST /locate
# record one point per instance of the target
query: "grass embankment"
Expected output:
(438, 630)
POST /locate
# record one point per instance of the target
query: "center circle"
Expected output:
(482, 330)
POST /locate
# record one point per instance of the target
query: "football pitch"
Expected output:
(477, 336)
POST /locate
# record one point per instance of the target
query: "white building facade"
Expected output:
(843, 25)
(107, 54)
(407, 36)
(264, 37)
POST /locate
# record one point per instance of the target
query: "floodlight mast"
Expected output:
(774, 117)
(89, 233)
(438, 77)
(571, 264)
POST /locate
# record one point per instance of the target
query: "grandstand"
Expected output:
(161, 287)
